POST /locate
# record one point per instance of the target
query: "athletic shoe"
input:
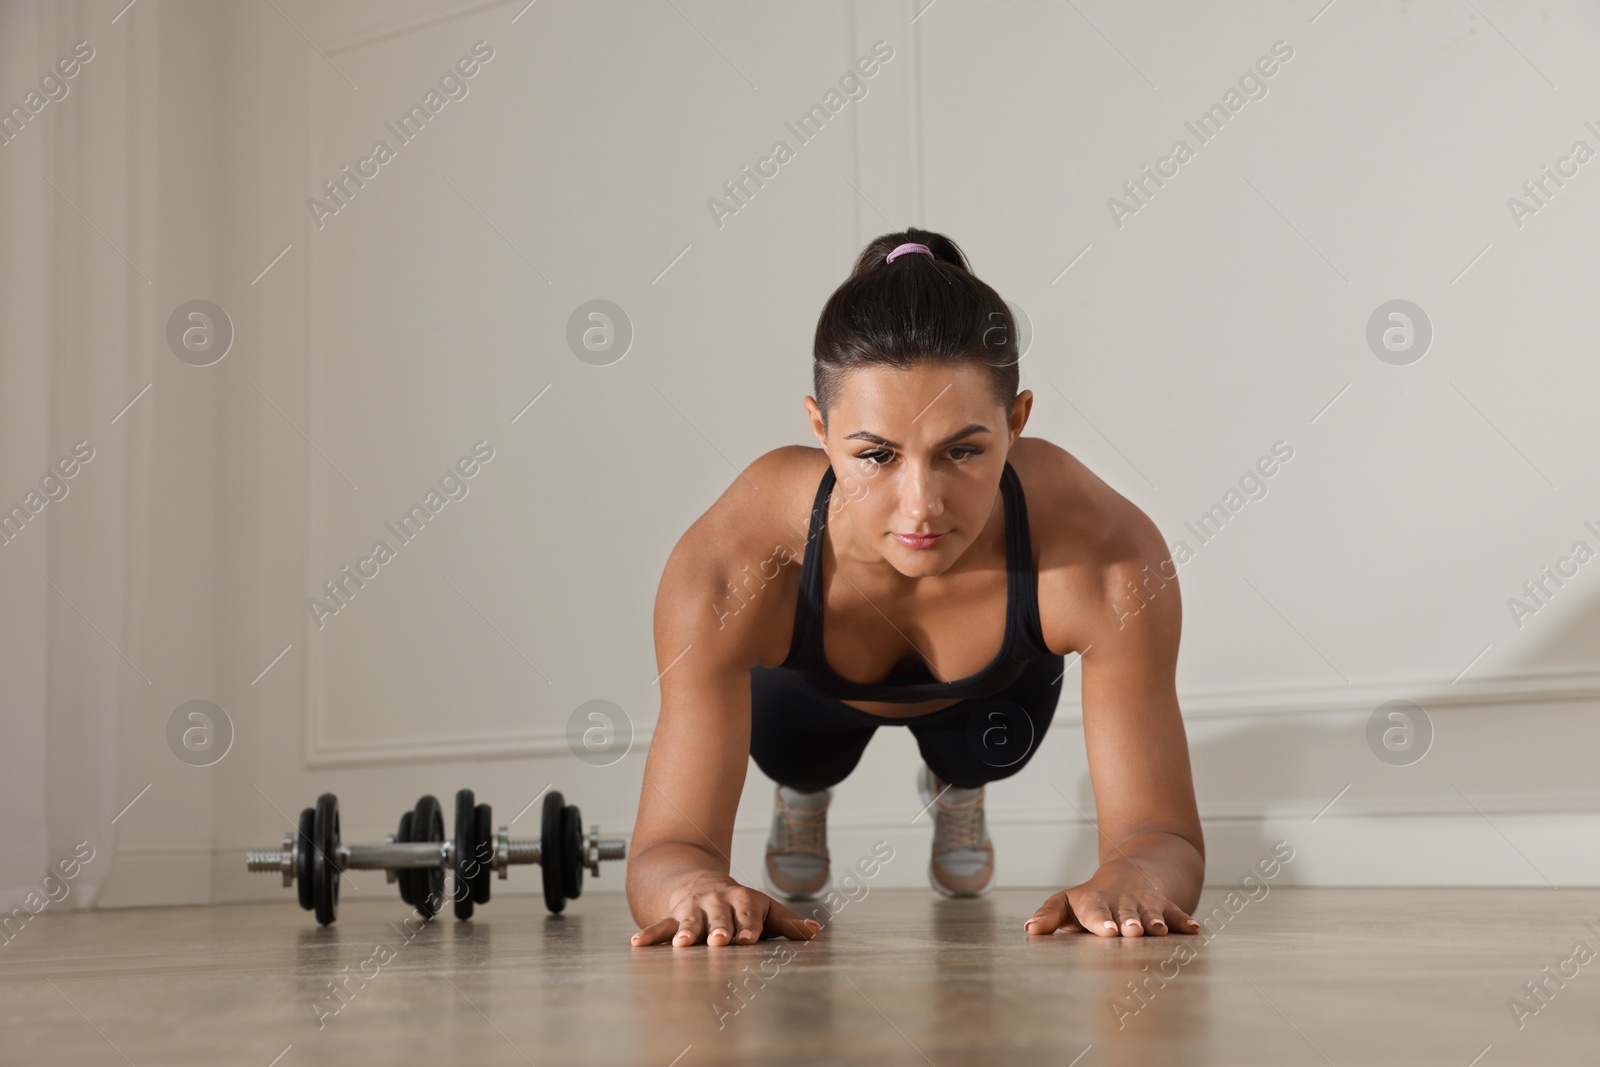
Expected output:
(797, 848)
(962, 864)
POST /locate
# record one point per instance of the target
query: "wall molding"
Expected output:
(1353, 807)
(443, 748)
(351, 26)
(1214, 705)
(1534, 686)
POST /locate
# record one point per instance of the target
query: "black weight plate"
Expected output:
(483, 816)
(427, 824)
(572, 852)
(402, 877)
(325, 859)
(464, 862)
(550, 855)
(302, 866)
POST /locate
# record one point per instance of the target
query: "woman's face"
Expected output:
(918, 455)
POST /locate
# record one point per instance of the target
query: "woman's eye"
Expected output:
(882, 456)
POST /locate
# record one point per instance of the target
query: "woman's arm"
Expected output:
(1152, 851)
(679, 884)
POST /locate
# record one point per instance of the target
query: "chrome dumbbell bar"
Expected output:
(418, 855)
(393, 856)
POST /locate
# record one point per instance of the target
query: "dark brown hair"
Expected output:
(914, 310)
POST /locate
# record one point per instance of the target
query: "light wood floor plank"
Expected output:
(1359, 977)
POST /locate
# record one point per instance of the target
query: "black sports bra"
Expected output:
(910, 680)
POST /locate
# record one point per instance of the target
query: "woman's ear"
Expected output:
(1020, 409)
(817, 425)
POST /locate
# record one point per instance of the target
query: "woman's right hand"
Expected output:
(717, 910)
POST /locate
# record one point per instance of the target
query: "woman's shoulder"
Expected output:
(1071, 503)
(766, 500)
(783, 482)
(736, 567)
(1088, 539)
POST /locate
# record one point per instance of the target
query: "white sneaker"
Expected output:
(797, 848)
(962, 863)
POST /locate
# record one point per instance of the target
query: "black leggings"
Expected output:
(808, 741)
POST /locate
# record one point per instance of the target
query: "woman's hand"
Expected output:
(718, 910)
(1119, 901)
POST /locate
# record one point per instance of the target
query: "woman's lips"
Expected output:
(920, 541)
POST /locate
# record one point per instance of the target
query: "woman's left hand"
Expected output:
(1119, 901)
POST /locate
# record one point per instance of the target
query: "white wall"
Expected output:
(1220, 318)
(110, 198)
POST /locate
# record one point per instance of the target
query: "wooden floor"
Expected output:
(1302, 976)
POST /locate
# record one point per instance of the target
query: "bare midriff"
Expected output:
(898, 710)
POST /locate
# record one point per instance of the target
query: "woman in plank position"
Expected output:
(926, 567)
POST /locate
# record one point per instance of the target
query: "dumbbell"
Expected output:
(417, 855)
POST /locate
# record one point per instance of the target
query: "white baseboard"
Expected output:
(155, 877)
(1448, 850)
(1532, 850)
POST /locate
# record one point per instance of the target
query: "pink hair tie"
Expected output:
(909, 247)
